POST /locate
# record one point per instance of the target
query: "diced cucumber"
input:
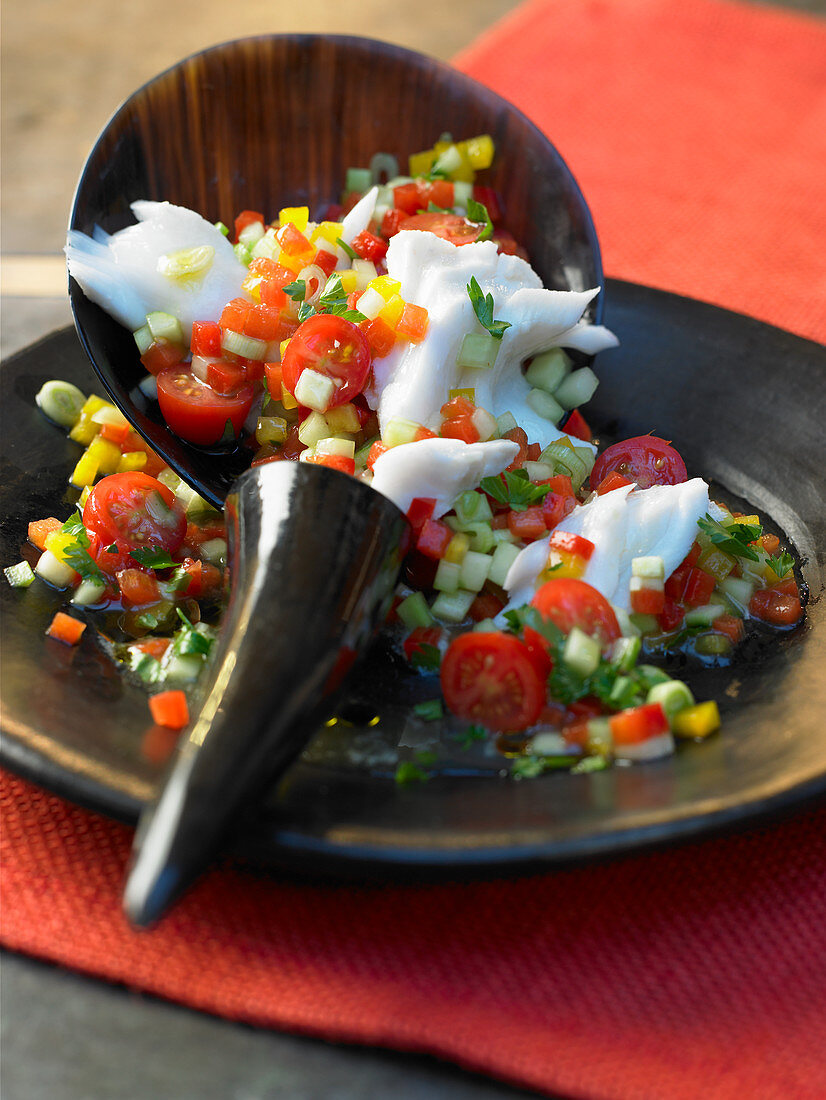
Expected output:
(479, 350)
(453, 607)
(545, 406)
(505, 423)
(578, 388)
(485, 626)
(600, 740)
(503, 558)
(625, 653)
(548, 369)
(481, 537)
(143, 339)
(447, 576)
(336, 445)
(581, 653)
(485, 425)
(650, 675)
(413, 611)
(651, 567)
(472, 507)
(399, 431)
(314, 427)
(627, 628)
(61, 402)
(645, 624)
(705, 615)
(672, 696)
(738, 589)
(474, 570)
(20, 575)
(183, 667)
(88, 592)
(358, 179)
(164, 326)
(713, 645)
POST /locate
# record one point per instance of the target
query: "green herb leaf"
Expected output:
(781, 564)
(590, 764)
(426, 657)
(431, 710)
(148, 619)
(153, 557)
(514, 488)
(734, 539)
(305, 310)
(432, 208)
(112, 549)
(470, 736)
(438, 174)
(478, 212)
(297, 290)
(483, 308)
(407, 773)
(351, 252)
(179, 581)
(528, 767)
(188, 639)
(76, 554)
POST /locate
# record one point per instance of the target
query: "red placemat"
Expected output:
(696, 130)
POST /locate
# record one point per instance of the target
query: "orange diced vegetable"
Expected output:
(63, 628)
(40, 529)
(169, 709)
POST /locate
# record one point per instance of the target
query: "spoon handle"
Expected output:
(314, 557)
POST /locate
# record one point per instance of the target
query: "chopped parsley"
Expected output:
(189, 639)
(514, 488)
(781, 564)
(407, 772)
(153, 557)
(333, 301)
(426, 657)
(297, 290)
(470, 736)
(430, 710)
(76, 553)
(478, 212)
(483, 308)
(734, 538)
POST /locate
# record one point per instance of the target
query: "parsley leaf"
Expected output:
(430, 710)
(483, 308)
(188, 639)
(734, 538)
(528, 767)
(478, 212)
(432, 208)
(470, 736)
(76, 553)
(305, 310)
(426, 657)
(297, 290)
(781, 564)
(407, 772)
(514, 488)
(152, 556)
(438, 174)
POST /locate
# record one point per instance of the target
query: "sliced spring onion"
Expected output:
(705, 615)
(713, 645)
(61, 402)
(472, 506)
(672, 696)
(453, 607)
(246, 346)
(187, 265)
(88, 592)
(383, 166)
(505, 423)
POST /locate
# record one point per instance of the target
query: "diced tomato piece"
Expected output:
(225, 378)
(263, 323)
(771, 543)
(460, 427)
(421, 509)
(637, 724)
(153, 647)
(507, 244)
(577, 426)
(196, 535)
(423, 433)
(559, 502)
(518, 435)
(115, 433)
(161, 354)
(246, 218)
(376, 451)
(369, 246)
(490, 199)
(413, 322)
(326, 260)
(293, 241)
(169, 709)
(772, 605)
(787, 587)
(571, 544)
(203, 578)
(731, 626)
(487, 605)
(206, 339)
(138, 587)
(39, 529)
(698, 588)
(64, 628)
(335, 462)
(380, 337)
(612, 481)
(234, 314)
(671, 615)
(421, 636)
(529, 524)
(392, 221)
(675, 584)
(407, 198)
(439, 192)
(457, 406)
(275, 379)
(693, 556)
(434, 538)
(648, 601)
(533, 452)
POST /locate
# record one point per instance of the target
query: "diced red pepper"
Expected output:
(421, 509)
(421, 636)
(40, 529)
(368, 246)
(527, 525)
(460, 427)
(326, 260)
(731, 626)
(380, 336)
(206, 339)
(577, 426)
(612, 481)
(169, 709)
(161, 354)
(457, 406)
(293, 241)
(138, 588)
(224, 377)
(434, 538)
(234, 314)
(571, 544)
(559, 502)
(648, 601)
(335, 462)
(413, 322)
(115, 433)
(392, 221)
(64, 628)
(671, 615)
(376, 451)
(698, 587)
(637, 724)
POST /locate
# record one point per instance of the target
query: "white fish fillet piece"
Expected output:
(438, 468)
(120, 271)
(623, 525)
(357, 219)
(415, 380)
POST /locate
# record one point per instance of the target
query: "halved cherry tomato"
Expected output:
(134, 510)
(490, 678)
(569, 602)
(644, 459)
(333, 347)
(196, 412)
(451, 227)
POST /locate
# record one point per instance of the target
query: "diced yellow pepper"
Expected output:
(419, 164)
(479, 151)
(252, 285)
(716, 562)
(392, 312)
(85, 472)
(287, 399)
(466, 391)
(349, 280)
(57, 543)
(327, 231)
(132, 460)
(106, 454)
(85, 430)
(292, 263)
(386, 286)
(457, 548)
(84, 496)
(562, 563)
(697, 721)
(298, 215)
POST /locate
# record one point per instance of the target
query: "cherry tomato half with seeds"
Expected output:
(451, 227)
(645, 459)
(490, 679)
(568, 602)
(332, 346)
(195, 412)
(133, 510)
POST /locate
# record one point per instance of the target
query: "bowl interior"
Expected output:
(267, 122)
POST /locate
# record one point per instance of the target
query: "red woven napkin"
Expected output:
(696, 130)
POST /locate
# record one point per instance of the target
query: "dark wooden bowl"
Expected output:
(266, 122)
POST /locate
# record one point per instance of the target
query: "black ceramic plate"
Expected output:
(746, 405)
